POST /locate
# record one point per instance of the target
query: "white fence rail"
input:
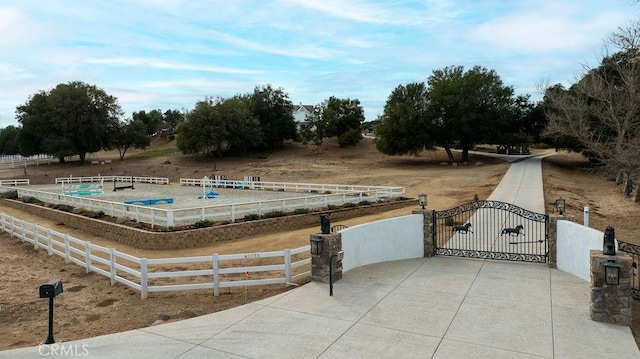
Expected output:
(15, 182)
(17, 161)
(137, 273)
(100, 179)
(339, 195)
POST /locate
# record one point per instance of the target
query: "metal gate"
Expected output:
(491, 230)
(634, 251)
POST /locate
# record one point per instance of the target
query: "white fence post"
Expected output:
(216, 276)
(143, 278)
(287, 266)
(87, 255)
(586, 216)
(35, 237)
(4, 229)
(49, 242)
(22, 233)
(170, 222)
(112, 266)
(66, 248)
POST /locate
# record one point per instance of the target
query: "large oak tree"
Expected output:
(71, 119)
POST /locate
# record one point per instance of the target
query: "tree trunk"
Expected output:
(465, 153)
(449, 153)
(83, 156)
(61, 159)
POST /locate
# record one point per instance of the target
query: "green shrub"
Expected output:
(273, 214)
(251, 217)
(331, 207)
(475, 197)
(364, 203)
(203, 224)
(95, 215)
(63, 207)
(301, 211)
(31, 200)
(13, 194)
(449, 221)
(349, 205)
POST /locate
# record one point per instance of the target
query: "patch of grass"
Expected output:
(349, 205)
(301, 211)
(63, 207)
(364, 203)
(31, 200)
(157, 153)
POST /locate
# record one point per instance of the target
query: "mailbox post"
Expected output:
(50, 290)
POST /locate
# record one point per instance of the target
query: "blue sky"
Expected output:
(169, 54)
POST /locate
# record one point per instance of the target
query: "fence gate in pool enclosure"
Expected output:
(491, 230)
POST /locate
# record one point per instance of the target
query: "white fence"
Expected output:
(100, 179)
(17, 161)
(340, 195)
(380, 191)
(137, 273)
(15, 182)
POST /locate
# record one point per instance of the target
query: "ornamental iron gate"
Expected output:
(492, 230)
(634, 251)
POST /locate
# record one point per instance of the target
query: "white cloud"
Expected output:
(153, 63)
(550, 27)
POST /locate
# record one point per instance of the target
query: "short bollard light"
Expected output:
(560, 205)
(316, 245)
(50, 290)
(422, 199)
(612, 272)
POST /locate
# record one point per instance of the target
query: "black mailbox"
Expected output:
(51, 289)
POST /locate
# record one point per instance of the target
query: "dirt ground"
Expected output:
(90, 306)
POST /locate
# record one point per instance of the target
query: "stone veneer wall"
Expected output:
(143, 239)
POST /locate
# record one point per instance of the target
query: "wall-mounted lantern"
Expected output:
(612, 272)
(560, 205)
(316, 245)
(422, 199)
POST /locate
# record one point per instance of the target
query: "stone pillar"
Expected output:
(427, 222)
(331, 245)
(611, 303)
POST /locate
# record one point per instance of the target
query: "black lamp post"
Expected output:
(612, 272)
(422, 199)
(560, 205)
(339, 256)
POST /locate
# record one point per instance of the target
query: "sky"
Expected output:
(169, 54)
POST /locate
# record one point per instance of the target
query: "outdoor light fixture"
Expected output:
(316, 246)
(50, 290)
(612, 272)
(422, 199)
(560, 205)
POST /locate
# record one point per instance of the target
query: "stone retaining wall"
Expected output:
(143, 239)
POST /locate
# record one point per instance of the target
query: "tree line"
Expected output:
(76, 118)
